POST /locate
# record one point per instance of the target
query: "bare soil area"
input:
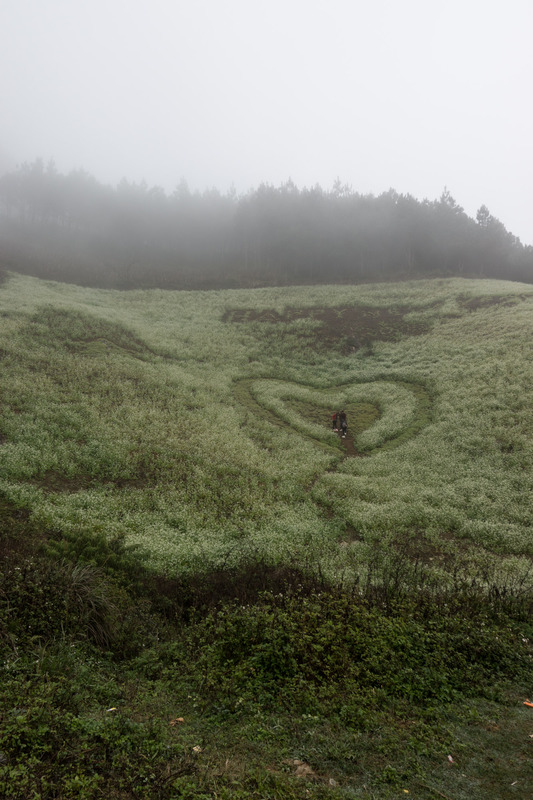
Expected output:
(475, 303)
(348, 328)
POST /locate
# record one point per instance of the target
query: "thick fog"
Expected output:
(414, 95)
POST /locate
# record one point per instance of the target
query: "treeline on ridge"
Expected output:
(73, 228)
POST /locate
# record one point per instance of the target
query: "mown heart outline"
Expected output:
(399, 402)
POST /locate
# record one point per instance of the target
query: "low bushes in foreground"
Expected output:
(116, 683)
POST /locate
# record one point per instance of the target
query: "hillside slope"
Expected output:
(198, 424)
(206, 592)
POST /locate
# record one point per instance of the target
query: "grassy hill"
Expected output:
(184, 537)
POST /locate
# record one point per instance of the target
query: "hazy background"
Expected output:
(413, 95)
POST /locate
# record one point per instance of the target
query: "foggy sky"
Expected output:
(410, 94)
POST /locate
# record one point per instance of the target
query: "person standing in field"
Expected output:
(334, 420)
(343, 423)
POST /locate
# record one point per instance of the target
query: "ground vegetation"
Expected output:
(206, 592)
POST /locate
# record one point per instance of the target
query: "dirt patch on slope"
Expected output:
(53, 481)
(350, 327)
(475, 303)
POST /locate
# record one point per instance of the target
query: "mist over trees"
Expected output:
(72, 228)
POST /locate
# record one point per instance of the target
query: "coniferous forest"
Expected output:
(206, 589)
(70, 227)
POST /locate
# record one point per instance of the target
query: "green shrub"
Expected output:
(288, 649)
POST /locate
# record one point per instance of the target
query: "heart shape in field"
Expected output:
(377, 411)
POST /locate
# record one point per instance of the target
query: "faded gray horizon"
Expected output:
(415, 95)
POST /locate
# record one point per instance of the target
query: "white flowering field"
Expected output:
(198, 424)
